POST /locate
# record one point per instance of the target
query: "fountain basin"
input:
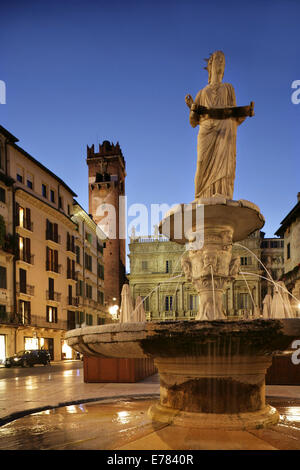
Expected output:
(212, 373)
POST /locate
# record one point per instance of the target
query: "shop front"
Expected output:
(2, 348)
(40, 343)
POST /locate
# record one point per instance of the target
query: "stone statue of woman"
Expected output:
(217, 115)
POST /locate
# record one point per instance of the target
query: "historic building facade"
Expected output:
(38, 263)
(156, 275)
(290, 231)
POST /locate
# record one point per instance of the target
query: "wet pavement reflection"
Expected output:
(124, 424)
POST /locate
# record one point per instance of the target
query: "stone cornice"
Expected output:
(46, 207)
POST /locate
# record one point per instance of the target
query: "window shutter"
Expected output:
(28, 217)
(55, 232)
(27, 250)
(17, 215)
(55, 260)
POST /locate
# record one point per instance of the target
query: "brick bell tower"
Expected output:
(106, 184)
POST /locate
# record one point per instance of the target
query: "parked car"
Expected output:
(28, 358)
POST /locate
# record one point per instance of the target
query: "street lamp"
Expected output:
(113, 311)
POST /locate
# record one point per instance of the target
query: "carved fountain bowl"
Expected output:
(211, 372)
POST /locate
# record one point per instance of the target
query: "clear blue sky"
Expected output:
(80, 72)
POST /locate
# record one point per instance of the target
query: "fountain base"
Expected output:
(211, 373)
(266, 417)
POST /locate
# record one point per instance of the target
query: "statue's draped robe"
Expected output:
(216, 157)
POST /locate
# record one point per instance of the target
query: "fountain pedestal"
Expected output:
(208, 392)
(208, 227)
(212, 373)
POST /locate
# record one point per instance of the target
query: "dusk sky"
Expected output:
(80, 72)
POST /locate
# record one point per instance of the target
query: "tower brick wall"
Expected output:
(107, 174)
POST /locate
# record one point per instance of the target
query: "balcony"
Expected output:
(27, 224)
(25, 257)
(54, 268)
(71, 274)
(73, 301)
(54, 237)
(24, 289)
(54, 296)
(71, 246)
(7, 318)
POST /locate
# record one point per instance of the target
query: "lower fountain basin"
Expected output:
(212, 373)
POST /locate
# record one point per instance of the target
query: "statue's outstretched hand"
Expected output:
(189, 101)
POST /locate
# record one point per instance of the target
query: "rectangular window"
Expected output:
(23, 280)
(2, 195)
(79, 288)
(88, 237)
(77, 249)
(44, 190)
(70, 295)
(3, 284)
(51, 314)
(79, 318)
(168, 266)
(52, 260)
(100, 271)
(29, 181)
(89, 319)
(168, 303)
(288, 250)
(194, 302)
(52, 195)
(20, 174)
(144, 265)
(70, 242)
(88, 262)
(3, 315)
(243, 301)
(23, 217)
(24, 250)
(100, 320)
(52, 231)
(71, 321)
(24, 312)
(51, 288)
(71, 269)
(146, 304)
(100, 297)
(88, 291)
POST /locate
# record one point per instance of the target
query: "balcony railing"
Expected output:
(26, 257)
(54, 268)
(24, 289)
(52, 295)
(7, 317)
(71, 246)
(72, 301)
(27, 224)
(71, 274)
(53, 237)
(169, 314)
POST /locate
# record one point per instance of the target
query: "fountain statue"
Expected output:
(212, 370)
(217, 115)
